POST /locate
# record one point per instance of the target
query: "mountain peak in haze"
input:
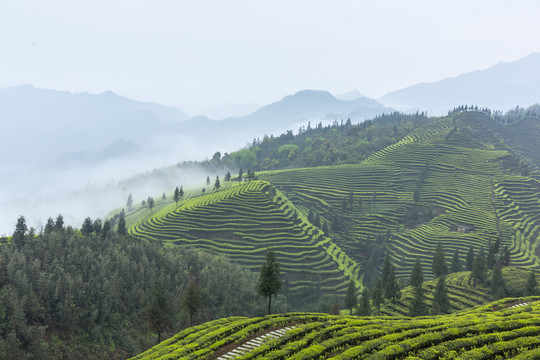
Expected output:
(502, 86)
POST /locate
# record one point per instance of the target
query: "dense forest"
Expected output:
(66, 295)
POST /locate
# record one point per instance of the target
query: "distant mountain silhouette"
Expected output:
(502, 87)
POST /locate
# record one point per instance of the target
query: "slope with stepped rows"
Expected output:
(462, 185)
(241, 222)
(496, 330)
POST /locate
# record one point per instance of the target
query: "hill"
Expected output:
(503, 86)
(480, 333)
(455, 181)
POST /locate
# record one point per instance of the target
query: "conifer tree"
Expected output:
(228, 176)
(498, 288)
(350, 298)
(176, 195)
(217, 184)
(87, 227)
(417, 276)
(469, 260)
(439, 262)
(418, 306)
(192, 298)
(531, 287)
(364, 308)
(129, 201)
(122, 224)
(456, 263)
(269, 281)
(441, 302)
(377, 295)
(479, 270)
(19, 234)
(158, 309)
(181, 192)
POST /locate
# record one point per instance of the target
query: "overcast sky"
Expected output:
(199, 53)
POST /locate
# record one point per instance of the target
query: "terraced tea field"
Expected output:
(498, 330)
(460, 180)
(241, 222)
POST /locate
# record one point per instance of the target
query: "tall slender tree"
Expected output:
(350, 298)
(456, 263)
(532, 284)
(364, 308)
(417, 276)
(498, 287)
(441, 302)
(439, 262)
(269, 280)
(192, 298)
(176, 195)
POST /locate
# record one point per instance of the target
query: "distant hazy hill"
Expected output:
(502, 86)
(307, 105)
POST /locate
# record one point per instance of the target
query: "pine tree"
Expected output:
(439, 262)
(418, 307)
(150, 202)
(479, 270)
(240, 173)
(129, 201)
(98, 226)
(217, 184)
(350, 298)
(469, 260)
(364, 308)
(417, 276)
(158, 309)
(498, 288)
(19, 234)
(181, 192)
(228, 176)
(456, 263)
(122, 224)
(269, 281)
(441, 302)
(176, 195)
(87, 227)
(531, 287)
(192, 298)
(207, 180)
(377, 295)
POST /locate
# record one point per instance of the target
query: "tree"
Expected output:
(176, 195)
(106, 229)
(240, 173)
(439, 262)
(98, 226)
(416, 195)
(479, 269)
(129, 201)
(87, 227)
(364, 308)
(59, 223)
(441, 302)
(269, 281)
(122, 224)
(531, 287)
(158, 309)
(469, 260)
(456, 263)
(203, 190)
(417, 276)
(377, 295)
(207, 180)
(418, 307)
(49, 226)
(192, 298)
(20, 232)
(498, 287)
(150, 202)
(389, 281)
(181, 193)
(350, 298)
(163, 197)
(217, 184)
(228, 176)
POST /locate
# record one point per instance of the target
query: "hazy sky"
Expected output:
(195, 53)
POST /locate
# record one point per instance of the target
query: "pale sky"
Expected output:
(207, 53)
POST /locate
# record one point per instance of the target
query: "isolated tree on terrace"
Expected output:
(350, 298)
(181, 193)
(364, 308)
(441, 302)
(217, 184)
(479, 269)
(456, 263)
(389, 280)
(498, 287)
(129, 201)
(240, 173)
(531, 287)
(150, 202)
(439, 262)
(269, 281)
(207, 180)
(418, 307)
(377, 295)
(176, 195)
(417, 276)
(228, 176)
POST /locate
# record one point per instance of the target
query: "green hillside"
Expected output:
(241, 222)
(462, 178)
(509, 328)
(458, 181)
